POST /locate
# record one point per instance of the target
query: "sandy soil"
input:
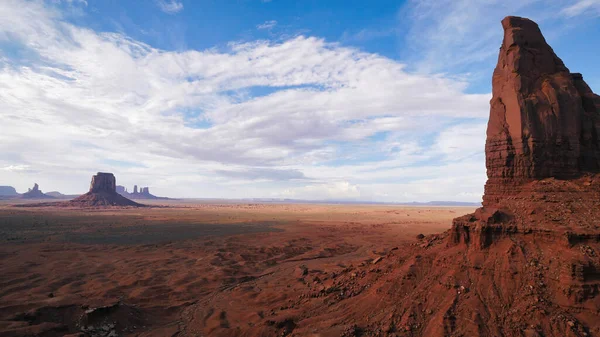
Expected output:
(172, 271)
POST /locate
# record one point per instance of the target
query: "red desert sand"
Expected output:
(525, 264)
(193, 269)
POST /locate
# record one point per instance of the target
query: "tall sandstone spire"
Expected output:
(544, 121)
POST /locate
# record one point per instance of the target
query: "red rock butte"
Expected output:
(529, 255)
(542, 148)
(102, 193)
(544, 120)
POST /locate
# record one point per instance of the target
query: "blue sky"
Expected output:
(379, 100)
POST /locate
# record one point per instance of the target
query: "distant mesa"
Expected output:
(35, 193)
(56, 194)
(59, 195)
(8, 191)
(142, 193)
(102, 193)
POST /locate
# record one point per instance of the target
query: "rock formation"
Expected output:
(529, 255)
(102, 193)
(35, 193)
(543, 137)
(122, 190)
(141, 193)
(8, 191)
(103, 182)
(544, 121)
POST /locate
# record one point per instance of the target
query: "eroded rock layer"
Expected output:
(530, 254)
(103, 182)
(544, 120)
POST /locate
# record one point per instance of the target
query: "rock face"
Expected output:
(103, 192)
(35, 193)
(537, 237)
(103, 182)
(544, 121)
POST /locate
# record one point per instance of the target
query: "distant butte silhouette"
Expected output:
(35, 193)
(103, 193)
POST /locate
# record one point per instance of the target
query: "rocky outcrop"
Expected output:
(141, 193)
(103, 182)
(102, 193)
(535, 239)
(35, 193)
(543, 142)
(544, 121)
(122, 190)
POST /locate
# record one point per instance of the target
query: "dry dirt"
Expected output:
(202, 269)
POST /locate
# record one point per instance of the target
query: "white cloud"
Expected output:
(16, 168)
(267, 25)
(341, 190)
(170, 6)
(460, 141)
(300, 117)
(462, 36)
(587, 7)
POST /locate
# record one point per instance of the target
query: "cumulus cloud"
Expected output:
(299, 117)
(170, 6)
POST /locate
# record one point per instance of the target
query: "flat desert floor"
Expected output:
(192, 269)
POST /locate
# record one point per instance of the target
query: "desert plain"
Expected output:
(197, 268)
